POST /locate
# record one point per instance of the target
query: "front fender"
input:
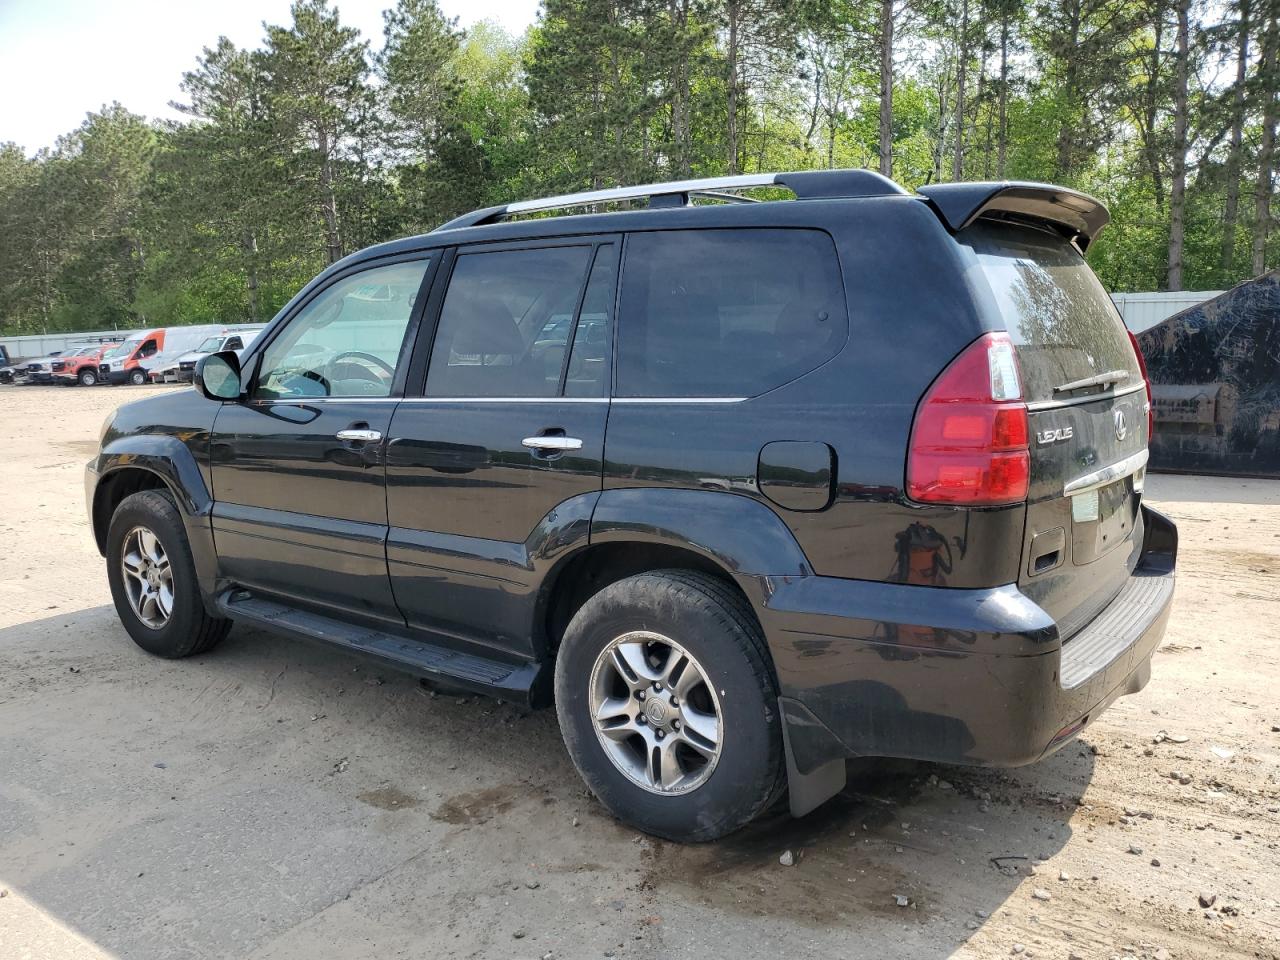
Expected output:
(170, 460)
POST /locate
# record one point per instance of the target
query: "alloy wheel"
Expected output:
(148, 577)
(655, 712)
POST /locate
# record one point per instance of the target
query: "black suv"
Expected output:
(743, 488)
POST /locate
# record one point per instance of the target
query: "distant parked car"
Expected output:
(80, 366)
(40, 370)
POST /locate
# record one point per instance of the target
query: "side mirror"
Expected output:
(217, 376)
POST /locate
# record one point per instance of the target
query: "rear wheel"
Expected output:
(87, 378)
(153, 579)
(668, 705)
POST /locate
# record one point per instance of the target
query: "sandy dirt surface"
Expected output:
(277, 800)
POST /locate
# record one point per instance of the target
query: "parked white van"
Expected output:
(178, 366)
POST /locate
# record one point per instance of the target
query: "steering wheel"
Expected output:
(318, 378)
(377, 362)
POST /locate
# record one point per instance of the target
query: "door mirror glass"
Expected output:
(218, 376)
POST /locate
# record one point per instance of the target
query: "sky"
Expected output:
(60, 59)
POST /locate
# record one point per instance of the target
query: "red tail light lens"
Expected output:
(969, 440)
(1142, 365)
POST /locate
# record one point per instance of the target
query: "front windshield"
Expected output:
(123, 350)
(211, 345)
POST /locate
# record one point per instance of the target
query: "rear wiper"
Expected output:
(1097, 380)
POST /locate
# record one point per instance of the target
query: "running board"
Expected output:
(517, 682)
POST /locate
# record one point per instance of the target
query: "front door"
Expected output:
(298, 474)
(500, 457)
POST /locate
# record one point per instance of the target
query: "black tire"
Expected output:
(189, 629)
(87, 378)
(716, 626)
(138, 377)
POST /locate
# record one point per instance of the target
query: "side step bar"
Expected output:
(527, 683)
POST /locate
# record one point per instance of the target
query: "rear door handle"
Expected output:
(356, 435)
(552, 443)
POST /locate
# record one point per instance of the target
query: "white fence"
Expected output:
(1143, 310)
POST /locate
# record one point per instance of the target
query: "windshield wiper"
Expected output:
(1097, 380)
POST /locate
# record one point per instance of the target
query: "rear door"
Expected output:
(1088, 418)
(497, 462)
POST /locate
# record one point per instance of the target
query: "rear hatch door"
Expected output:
(1086, 399)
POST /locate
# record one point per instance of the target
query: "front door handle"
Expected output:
(552, 444)
(359, 436)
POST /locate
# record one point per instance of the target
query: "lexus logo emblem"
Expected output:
(1122, 428)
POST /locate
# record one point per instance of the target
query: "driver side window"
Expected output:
(347, 341)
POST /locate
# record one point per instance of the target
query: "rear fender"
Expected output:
(749, 541)
(742, 536)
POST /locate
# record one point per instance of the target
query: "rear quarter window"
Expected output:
(1061, 321)
(727, 313)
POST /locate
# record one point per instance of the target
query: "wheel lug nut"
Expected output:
(675, 702)
(656, 686)
(675, 724)
(639, 694)
(641, 720)
(661, 734)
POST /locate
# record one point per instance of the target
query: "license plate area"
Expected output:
(1102, 519)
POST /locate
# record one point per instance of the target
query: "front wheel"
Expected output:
(87, 378)
(668, 705)
(153, 579)
(138, 377)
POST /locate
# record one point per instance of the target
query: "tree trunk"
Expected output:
(1266, 149)
(962, 69)
(680, 126)
(1003, 147)
(734, 11)
(1231, 209)
(329, 202)
(981, 100)
(1153, 101)
(1066, 142)
(886, 87)
(1177, 192)
(250, 246)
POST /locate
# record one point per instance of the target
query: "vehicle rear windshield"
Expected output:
(1063, 324)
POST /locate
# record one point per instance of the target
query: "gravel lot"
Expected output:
(276, 800)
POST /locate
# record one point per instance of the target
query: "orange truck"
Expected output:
(79, 365)
(123, 362)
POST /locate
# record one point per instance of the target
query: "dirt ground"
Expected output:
(276, 800)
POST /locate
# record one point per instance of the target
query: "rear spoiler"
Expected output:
(1078, 216)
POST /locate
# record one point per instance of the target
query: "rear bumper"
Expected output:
(955, 676)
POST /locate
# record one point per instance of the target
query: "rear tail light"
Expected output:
(1142, 366)
(969, 440)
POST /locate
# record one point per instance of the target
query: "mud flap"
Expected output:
(811, 781)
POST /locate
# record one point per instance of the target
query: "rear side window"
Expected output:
(726, 313)
(1060, 319)
(506, 321)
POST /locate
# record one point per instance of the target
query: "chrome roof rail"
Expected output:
(806, 185)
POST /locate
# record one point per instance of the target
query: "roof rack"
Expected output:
(806, 185)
